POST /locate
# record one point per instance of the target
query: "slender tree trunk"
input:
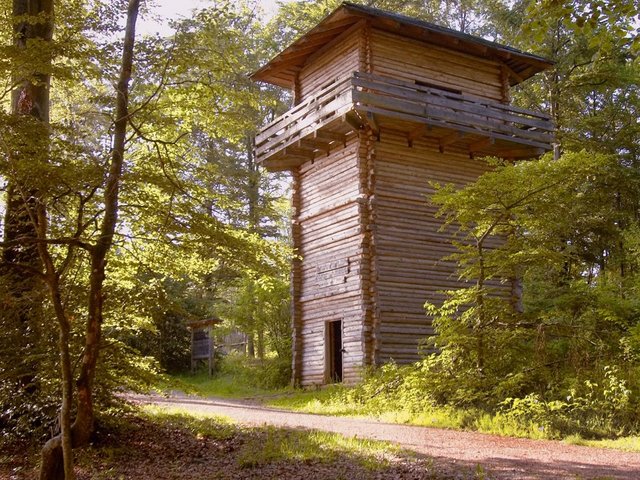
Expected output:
(260, 343)
(52, 278)
(82, 427)
(256, 346)
(481, 322)
(251, 348)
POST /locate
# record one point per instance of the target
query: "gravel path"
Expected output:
(453, 451)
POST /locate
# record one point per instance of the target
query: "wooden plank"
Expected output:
(317, 114)
(340, 39)
(373, 123)
(431, 121)
(328, 92)
(450, 116)
(330, 136)
(412, 85)
(462, 103)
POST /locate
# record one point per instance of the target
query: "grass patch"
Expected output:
(221, 385)
(202, 425)
(335, 400)
(236, 377)
(628, 444)
(276, 445)
(324, 401)
(267, 445)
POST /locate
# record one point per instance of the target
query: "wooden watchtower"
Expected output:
(383, 104)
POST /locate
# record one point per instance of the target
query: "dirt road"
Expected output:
(453, 451)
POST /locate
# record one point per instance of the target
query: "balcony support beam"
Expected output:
(329, 136)
(450, 139)
(480, 145)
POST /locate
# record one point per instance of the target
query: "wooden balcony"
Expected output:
(450, 120)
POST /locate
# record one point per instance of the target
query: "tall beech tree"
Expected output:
(21, 264)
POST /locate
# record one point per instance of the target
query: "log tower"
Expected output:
(383, 104)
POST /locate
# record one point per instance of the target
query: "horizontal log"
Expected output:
(417, 54)
(379, 36)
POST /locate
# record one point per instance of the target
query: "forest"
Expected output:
(132, 204)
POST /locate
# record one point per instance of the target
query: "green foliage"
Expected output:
(185, 230)
(409, 394)
(236, 375)
(560, 227)
(260, 307)
(601, 408)
(271, 372)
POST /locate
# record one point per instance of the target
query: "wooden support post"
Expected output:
(353, 119)
(296, 281)
(416, 133)
(211, 349)
(505, 73)
(330, 136)
(373, 123)
(193, 360)
(297, 93)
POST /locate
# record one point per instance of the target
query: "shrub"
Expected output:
(272, 372)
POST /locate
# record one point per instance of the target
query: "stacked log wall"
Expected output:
(409, 244)
(330, 275)
(339, 59)
(411, 60)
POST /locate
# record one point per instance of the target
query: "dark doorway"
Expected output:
(334, 351)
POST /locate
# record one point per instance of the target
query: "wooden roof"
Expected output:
(203, 323)
(282, 69)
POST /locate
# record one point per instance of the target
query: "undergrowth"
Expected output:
(235, 376)
(591, 410)
(392, 393)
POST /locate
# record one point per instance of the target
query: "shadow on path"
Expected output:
(455, 453)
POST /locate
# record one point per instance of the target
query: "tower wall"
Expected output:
(407, 59)
(338, 59)
(409, 244)
(331, 247)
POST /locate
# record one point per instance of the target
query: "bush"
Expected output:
(270, 373)
(427, 393)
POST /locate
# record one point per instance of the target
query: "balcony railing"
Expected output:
(481, 126)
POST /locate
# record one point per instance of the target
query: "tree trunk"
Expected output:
(52, 278)
(82, 427)
(260, 343)
(251, 348)
(481, 321)
(256, 344)
(30, 97)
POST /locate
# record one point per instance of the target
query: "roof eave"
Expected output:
(464, 42)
